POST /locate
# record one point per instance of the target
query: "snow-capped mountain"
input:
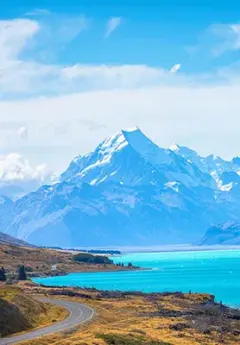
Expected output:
(69, 214)
(133, 159)
(128, 191)
(214, 165)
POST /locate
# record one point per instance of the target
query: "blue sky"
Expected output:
(74, 72)
(159, 33)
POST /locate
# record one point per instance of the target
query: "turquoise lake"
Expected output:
(214, 272)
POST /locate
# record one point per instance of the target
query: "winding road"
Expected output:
(79, 313)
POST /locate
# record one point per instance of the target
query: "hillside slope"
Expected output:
(223, 234)
(134, 318)
(20, 312)
(7, 239)
(45, 262)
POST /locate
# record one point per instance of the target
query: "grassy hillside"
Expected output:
(20, 312)
(42, 261)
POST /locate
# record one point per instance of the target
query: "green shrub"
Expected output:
(91, 259)
(82, 257)
(29, 269)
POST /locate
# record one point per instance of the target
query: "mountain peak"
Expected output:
(174, 147)
(117, 153)
(131, 129)
(122, 139)
(113, 143)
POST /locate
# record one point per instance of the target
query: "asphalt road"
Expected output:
(79, 314)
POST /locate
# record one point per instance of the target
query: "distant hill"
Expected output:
(7, 239)
(222, 234)
(46, 262)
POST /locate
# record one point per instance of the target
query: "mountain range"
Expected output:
(128, 191)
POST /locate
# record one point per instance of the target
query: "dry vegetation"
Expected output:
(121, 318)
(139, 319)
(20, 312)
(39, 261)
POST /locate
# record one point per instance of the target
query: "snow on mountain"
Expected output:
(113, 160)
(213, 165)
(133, 159)
(128, 191)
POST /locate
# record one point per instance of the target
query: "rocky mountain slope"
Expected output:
(7, 239)
(128, 191)
(223, 172)
(223, 234)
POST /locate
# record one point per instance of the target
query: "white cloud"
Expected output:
(18, 176)
(36, 79)
(112, 25)
(199, 117)
(217, 39)
(107, 76)
(197, 111)
(15, 74)
(20, 76)
(68, 28)
(38, 12)
(26, 77)
(227, 36)
(23, 133)
(14, 167)
(175, 68)
(14, 35)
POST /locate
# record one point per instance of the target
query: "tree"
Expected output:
(21, 273)
(91, 259)
(2, 275)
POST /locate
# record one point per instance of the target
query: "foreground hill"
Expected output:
(20, 312)
(223, 234)
(128, 191)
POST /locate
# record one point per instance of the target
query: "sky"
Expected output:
(75, 72)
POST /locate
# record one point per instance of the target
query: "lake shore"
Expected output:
(170, 248)
(214, 272)
(156, 318)
(43, 262)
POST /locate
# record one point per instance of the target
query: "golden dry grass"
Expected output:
(21, 312)
(136, 317)
(39, 261)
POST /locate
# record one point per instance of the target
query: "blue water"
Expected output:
(214, 272)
